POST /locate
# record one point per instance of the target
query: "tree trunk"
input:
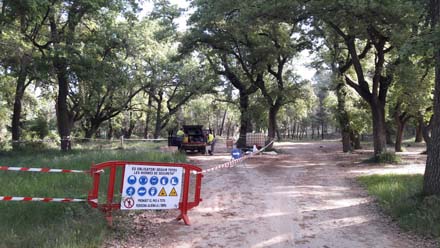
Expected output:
(399, 137)
(63, 120)
(400, 119)
(60, 65)
(346, 145)
(273, 111)
(379, 132)
(158, 125)
(343, 118)
(354, 137)
(389, 132)
(419, 134)
(278, 135)
(110, 129)
(19, 93)
(131, 125)
(294, 130)
(148, 115)
(228, 129)
(91, 131)
(319, 132)
(388, 138)
(244, 120)
(431, 179)
(223, 123)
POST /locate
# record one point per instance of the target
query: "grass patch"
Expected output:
(384, 158)
(400, 197)
(35, 224)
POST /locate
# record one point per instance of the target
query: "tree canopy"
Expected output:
(106, 68)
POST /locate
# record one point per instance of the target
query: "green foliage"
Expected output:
(360, 115)
(414, 79)
(115, 62)
(36, 224)
(400, 197)
(250, 51)
(39, 126)
(385, 158)
(4, 106)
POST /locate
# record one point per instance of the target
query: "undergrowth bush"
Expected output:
(385, 158)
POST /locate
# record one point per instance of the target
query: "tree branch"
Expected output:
(361, 56)
(364, 94)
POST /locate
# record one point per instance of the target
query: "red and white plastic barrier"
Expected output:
(234, 162)
(40, 199)
(49, 170)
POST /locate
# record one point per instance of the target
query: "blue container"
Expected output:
(236, 153)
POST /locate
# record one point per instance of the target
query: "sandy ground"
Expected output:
(305, 197)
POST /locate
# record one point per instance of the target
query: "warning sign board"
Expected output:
(162, 192)
(173, 192)
(151, 187)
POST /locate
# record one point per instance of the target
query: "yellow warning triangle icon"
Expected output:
(162, 192)
(173, 192)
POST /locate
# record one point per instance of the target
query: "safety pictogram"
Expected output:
(130, 191)
(152, 191)
(173, 192)
(164, 180)
(143, 180)
(128, 203)
(131, 180)
(174, 181)
(142, 191)
(163, 192)
(154, 180)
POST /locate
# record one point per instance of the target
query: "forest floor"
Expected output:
(305, 196)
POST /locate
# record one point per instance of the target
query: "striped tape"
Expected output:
(232, 163)
(49, 170)
(40, 199)
(116, 140)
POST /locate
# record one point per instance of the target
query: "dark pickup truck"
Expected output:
(194, 140)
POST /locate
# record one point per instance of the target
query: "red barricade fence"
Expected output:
(110, 203)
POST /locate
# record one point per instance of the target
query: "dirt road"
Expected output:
(304, 197)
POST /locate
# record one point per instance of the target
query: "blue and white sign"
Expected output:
(143, 180)
(164, 180)
(174, 181)
(130, 191)
(152, 191)
(131, 180)
(142, 191)
(151, 187)
(154, 180)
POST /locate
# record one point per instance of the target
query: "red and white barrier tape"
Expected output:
(234, 162)
(77, 139)
(40, 199)
(49, 170)
(116, 140)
